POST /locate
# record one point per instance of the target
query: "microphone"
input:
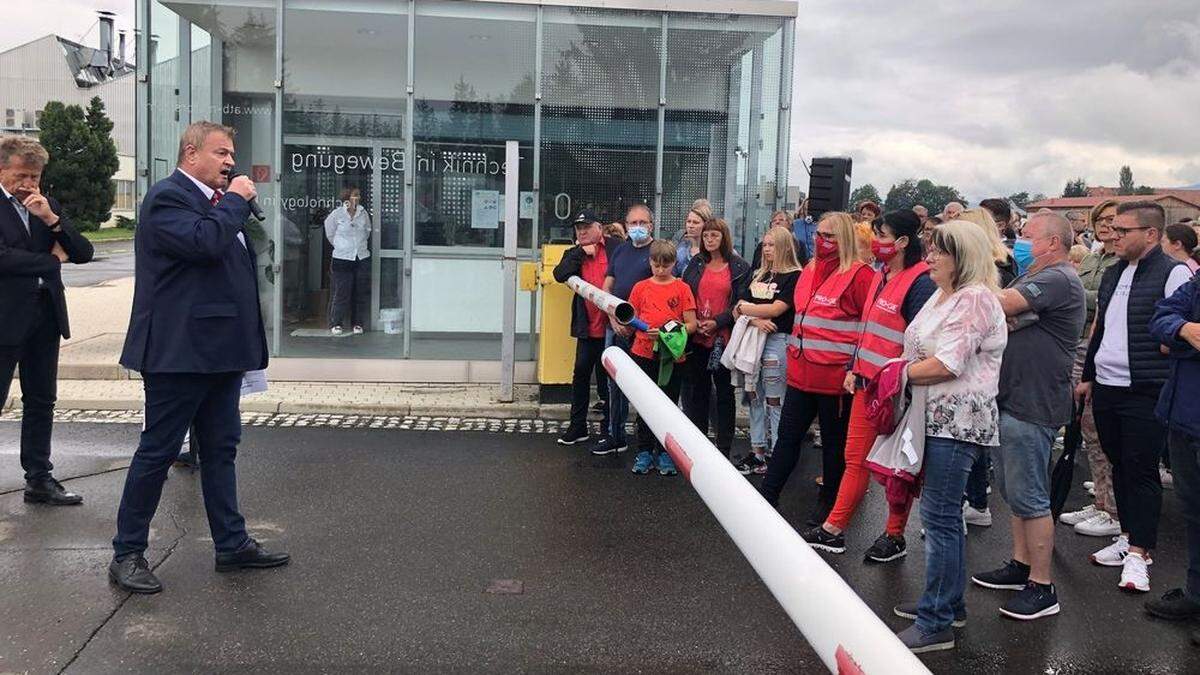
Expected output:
(254, 208)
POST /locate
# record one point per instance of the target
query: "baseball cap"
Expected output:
(585, 218)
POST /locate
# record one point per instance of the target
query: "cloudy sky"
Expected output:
(992, 98)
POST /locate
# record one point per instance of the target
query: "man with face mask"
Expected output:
(36, 240)
(628, 264)
(1046, 312)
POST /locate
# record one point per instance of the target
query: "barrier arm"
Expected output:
(847, 636)
(620, 310)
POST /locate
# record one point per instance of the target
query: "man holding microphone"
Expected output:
(196, 328)
(35, 242)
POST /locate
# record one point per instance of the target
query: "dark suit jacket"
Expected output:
(25, 256)
(195, 297)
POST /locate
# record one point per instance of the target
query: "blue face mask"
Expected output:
(1023, 254)
(639, 234)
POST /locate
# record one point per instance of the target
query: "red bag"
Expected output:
(885, 396)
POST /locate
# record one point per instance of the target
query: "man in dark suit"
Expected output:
(195, 329)
(35, 241)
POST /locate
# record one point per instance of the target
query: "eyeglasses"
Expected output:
(1120, 232)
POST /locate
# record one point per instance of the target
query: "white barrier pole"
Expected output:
(620, 310)
(841, 629)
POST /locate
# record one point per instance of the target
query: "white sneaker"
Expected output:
(336, 330)
(1099, 525)
(1114, 554)
(1089, 485)
(1135, 575)
(973, 516)
(1168, 480)
(358, 330)
(1091, 491)
(1075, 517)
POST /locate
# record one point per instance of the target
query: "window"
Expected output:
(123, 200)
(10, 118)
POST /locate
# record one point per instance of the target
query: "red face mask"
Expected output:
(826, 248)
(883, 252)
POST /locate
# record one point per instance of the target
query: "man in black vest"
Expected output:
(1123, 374)
(36, 240)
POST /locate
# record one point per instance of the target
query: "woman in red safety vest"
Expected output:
(829, 300)
(898, 291)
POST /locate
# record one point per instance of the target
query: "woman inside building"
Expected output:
(829, 300)
(715, 275)
(348, 229)
(689, 244)
(898, 292)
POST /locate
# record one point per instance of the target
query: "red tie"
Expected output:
(216, 198)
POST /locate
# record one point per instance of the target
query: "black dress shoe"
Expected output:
(49, 491)
(187, 460)
(251, 556)
(132, 573)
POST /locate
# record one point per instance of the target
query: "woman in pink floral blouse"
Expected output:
(954, 347)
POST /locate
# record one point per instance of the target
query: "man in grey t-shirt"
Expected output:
(1046, 310)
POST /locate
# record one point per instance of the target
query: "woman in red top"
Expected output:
(829, 299)
(898, 292)
(715, 275)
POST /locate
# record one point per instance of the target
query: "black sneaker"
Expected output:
(607, 446)
(1173, 606)
(908, 610)
(600, 406)
(573, 436)
(747, 464)
(1011, 577)
(886, 549)
(820, 539)
(919, 643)
(1033, 602)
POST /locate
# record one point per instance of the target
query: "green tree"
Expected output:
(909, 193)
(1126, 181)
(83, 160)
(1143, 190)
(1021, 199)
(865, 193)
(1075, 188)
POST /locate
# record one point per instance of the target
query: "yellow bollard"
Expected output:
(556, 347)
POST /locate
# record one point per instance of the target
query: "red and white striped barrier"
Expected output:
(841, 629)
(620, 310)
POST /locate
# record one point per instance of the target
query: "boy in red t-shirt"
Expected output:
(659, 300)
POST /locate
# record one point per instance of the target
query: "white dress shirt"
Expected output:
(24, 214)
(208, 194)
(349, 234)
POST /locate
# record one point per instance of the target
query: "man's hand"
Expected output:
(848, 383)
(1083, 392)
(37, 204)
(1190, 333)
(58, 252)
(590, 249)
(707, 326)
(652, 333)
(243, 187)
(623, 331)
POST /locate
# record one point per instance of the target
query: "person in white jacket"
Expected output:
(348, 229)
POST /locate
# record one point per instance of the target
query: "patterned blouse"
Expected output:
(967, 333)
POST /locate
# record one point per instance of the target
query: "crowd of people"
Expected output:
(1004, 330)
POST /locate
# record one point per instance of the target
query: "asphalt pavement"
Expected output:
(466, 552)
(113, 260)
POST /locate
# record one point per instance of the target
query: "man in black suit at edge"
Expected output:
(195, 329)
(36, 239)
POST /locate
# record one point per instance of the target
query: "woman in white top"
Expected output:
(954, 347)
(348, 229)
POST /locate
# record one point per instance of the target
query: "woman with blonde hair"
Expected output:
(689, 245)
(768, 300)
(954, 347)
(829, 300)
(1006, 264)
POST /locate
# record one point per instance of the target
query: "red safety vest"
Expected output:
(883, 323)
(823, 333)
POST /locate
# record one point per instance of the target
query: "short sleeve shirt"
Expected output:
(628, 265)
(1035, 377)
(657, 304)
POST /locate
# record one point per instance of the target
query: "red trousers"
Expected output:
(860, 437)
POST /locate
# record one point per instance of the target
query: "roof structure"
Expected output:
(90, 66)
(1191, 197)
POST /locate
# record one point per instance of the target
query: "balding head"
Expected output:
(1053, 228)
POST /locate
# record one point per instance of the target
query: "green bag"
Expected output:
(670, 347)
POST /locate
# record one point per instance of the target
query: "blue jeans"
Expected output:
(618, 405)
(947, 465)
(772, 383)
(977, 484)
(1185, 451)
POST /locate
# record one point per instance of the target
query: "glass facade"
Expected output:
(408, 104)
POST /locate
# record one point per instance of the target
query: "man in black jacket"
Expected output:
(35, 241)
(588, 260)
(1123, 374)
